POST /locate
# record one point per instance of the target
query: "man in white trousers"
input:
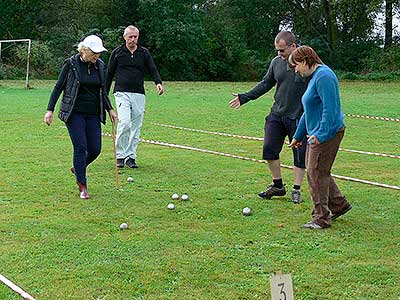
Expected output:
(127, 64)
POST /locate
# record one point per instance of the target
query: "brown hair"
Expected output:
(305, 53)
(287, 36)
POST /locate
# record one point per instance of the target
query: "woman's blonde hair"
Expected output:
(81, 48)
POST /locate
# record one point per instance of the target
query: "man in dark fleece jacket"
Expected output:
(284, 115)
(128, 63)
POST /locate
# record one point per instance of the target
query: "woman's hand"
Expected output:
(48, 117)
(312, 139)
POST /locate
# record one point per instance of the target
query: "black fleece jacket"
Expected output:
(68, 82)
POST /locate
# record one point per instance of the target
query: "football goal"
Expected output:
(27, 56)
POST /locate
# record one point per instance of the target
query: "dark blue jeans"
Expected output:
(85, 133)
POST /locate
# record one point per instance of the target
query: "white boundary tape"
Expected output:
(372, 117)
(16, 288)
(383, 185)
(261, 139)
(210, 132)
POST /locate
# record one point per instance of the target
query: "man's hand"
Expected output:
(160, 89)
(295, 143)
(48, 117)
(235, 102)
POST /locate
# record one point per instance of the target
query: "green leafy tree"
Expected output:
(341, 30)
(173, 32)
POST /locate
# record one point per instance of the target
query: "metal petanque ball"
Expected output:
(246, 211)
(171, 206)
(123, 226)
(175, 196)
(185, 197)
(129, 179)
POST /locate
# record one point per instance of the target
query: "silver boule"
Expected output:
(246, 211)
(123, 226)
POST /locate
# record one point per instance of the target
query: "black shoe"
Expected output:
(341, 213)
(131, 163)
(272, 191)
(120, 162)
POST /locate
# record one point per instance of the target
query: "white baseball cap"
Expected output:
(94, 43)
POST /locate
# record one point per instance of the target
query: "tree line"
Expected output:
(222, 40)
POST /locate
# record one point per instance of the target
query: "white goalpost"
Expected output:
(27, 57)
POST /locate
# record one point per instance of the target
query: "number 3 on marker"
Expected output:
(281, 287)
(282, 292)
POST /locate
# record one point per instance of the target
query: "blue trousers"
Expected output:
(85, 133)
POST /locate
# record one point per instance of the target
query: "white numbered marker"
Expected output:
(281, 287)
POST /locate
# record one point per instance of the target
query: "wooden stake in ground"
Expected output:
(115, 157)
(16, 288)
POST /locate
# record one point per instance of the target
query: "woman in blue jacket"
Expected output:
(322, 123)
(83, 106)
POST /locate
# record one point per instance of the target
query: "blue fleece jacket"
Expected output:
(322, 116)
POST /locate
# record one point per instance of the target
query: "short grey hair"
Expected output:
(287, 36)
(130, 27)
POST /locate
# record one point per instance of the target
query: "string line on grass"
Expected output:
(372, 117)
(383, 185)
(15, 288)
(261, 139)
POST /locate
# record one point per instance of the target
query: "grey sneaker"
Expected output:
(272, 191)
(296, 196)
(311, 225)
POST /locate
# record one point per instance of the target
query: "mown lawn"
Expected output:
(58, 246)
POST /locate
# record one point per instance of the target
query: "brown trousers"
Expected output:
(324, 192)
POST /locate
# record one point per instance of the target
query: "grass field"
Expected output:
(57, 246)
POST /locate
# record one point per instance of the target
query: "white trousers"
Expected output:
(130, 109)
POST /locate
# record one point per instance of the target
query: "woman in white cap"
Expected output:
(83, 106)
